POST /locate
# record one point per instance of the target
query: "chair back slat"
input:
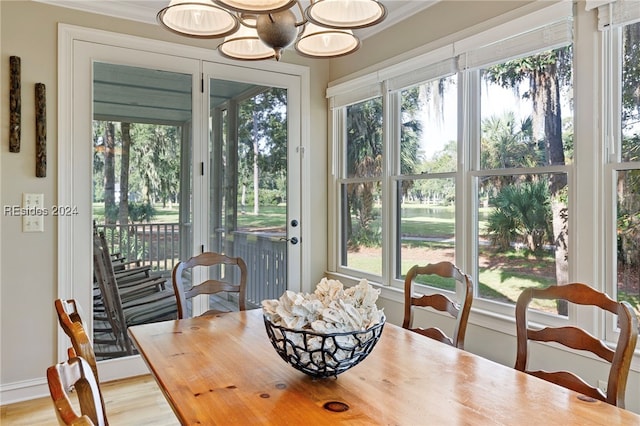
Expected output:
(574, 338)
(435, 334)
(569, 380)
(437, 301)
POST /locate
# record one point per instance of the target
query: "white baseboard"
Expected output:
(23, 391)
(109, 370)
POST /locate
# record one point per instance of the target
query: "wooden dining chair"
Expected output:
(73, 325)
(76, 374)
(459, 309)
(576, 338)
(211, 286)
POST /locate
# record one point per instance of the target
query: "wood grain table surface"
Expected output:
(223, 370)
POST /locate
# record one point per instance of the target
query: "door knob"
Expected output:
(292, 240)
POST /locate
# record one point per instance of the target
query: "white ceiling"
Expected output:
(146, 10)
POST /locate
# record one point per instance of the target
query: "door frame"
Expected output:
(74, 158)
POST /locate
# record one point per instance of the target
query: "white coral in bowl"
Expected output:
(329, 309)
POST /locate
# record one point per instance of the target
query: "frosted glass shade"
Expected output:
(345, 14)
(197, 18)
(245, 44)
(256, 6)
(320, 42)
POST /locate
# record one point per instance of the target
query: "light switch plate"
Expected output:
(33, 212)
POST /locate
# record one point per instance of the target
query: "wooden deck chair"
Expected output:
(156, 306)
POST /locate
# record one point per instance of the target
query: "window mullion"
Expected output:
(390, 143)
(469, 149)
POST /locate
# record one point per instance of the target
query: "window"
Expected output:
(464, 154)
(360, 192)
(622, 47)
(526, 135)
(426, 185)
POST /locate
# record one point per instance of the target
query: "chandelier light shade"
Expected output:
(256, 6)
(197, 18)
(262, 29)
(320, 42)
(245, 44)
(346, 14)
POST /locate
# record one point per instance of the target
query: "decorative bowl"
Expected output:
(323, 355)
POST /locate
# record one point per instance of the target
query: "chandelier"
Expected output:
(262, 29)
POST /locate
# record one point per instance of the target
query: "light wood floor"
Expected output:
(135, 401)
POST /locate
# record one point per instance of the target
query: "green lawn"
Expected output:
(269, 216)
(501, 281)
(163, 214)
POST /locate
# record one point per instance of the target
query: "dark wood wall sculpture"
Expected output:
(14, 104)
(41, 130)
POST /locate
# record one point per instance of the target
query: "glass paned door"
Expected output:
(141, 203)
(254, 208)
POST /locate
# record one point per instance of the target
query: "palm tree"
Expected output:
(507, 144)
(521, 209)
(364, 160)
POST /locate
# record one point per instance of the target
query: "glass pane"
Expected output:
(628, 232)
(630, 95)
(362, 226)
(519, 220)
(427, 222)
(428, 135)
(526, 111)
(248, 192)
(141, 190)
(364, 139)
(628, 182)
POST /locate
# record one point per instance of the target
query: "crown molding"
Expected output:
(145, 10)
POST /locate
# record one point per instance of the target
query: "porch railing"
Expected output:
(266, 259)
(153, 244)
(159, 245)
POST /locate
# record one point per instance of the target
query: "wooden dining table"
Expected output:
(223, 370)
